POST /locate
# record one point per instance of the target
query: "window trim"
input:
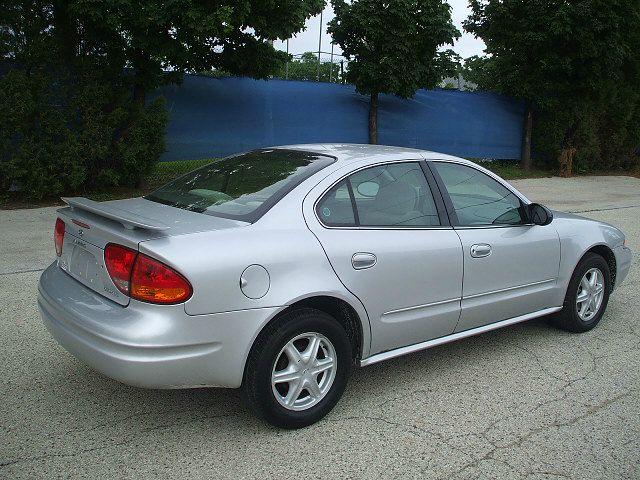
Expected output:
(449, 203)
(431, 183)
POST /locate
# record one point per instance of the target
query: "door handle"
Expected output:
(480, 250)
(363, 260)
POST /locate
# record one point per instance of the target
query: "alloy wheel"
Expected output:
(304, 371)
(590, 294)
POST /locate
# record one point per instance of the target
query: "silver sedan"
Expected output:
(278, 270)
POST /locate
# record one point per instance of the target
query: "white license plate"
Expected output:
(84, 266)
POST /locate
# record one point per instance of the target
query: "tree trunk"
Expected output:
(568, 151)
(526, 140)
(373, 119)
(565, 159)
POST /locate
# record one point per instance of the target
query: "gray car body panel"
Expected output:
(148, 345)
(422, 291)
(577, 236)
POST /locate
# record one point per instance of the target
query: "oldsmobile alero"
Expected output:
(280, 269)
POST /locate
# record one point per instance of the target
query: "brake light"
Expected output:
(144, 278)
(119, 261)
(153, 281)
(58, 236)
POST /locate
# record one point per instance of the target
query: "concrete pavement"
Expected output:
(526, 401)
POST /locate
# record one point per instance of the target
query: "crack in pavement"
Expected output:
(567, 383)
(603, 209)
(517, 443)
(484, 435)
(22, 271)
(541, 472)
(562, 393)
(119, 420)
(411, 428)
(132, 439)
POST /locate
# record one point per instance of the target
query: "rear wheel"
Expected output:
(298, 368)
(587, 296)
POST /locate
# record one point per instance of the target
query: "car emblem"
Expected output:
(80, 232)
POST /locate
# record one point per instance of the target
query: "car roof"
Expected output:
(346, 152)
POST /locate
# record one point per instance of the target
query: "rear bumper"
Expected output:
(147, 345)
(623, 261)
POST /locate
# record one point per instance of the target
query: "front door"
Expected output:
(393, 249)
(510, 265)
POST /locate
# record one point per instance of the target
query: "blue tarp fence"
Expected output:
(214, 117)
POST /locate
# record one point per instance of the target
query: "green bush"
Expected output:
(40, 152)
(141, 145)
(604, 132)
(61, 136)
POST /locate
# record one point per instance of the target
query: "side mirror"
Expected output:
(539, 214)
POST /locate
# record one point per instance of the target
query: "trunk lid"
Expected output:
(90, 226)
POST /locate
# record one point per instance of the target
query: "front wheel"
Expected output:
(298, 368)
(587, 296)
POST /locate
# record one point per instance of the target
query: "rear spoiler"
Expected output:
(128, 220)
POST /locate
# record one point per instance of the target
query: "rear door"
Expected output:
(510, 265)
(392, 247)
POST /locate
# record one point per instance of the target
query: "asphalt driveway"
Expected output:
(526, 401)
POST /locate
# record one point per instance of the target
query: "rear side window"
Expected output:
(477, 198)
(392, 195)
(241, 187)
(336, 209)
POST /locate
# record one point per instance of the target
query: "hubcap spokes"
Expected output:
(590, 294)
(304, 371)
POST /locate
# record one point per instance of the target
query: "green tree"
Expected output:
(448, 64)
(74, 110)
(479, 70)
(162, 40)
(566, 59)
(306, 68)
(392, 47)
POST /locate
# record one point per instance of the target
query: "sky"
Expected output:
(307, 41)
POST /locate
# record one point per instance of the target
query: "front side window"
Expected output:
(242, 187)
(392, 195)
(477, 198)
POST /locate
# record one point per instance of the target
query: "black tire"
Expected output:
(568, 318)
(256, 387)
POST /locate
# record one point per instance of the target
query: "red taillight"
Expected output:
(144, 278)
(119, 261)
(155, 282)
(58, 236)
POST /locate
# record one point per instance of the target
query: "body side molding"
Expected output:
(379, 357)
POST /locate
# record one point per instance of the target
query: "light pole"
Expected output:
(331, 71)
(319, 45)
(286, 68)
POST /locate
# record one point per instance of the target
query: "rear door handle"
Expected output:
(363, 260)
(480, 250)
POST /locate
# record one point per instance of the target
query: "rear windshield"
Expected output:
(241, 187)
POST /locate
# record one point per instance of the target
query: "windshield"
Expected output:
(242, 187)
